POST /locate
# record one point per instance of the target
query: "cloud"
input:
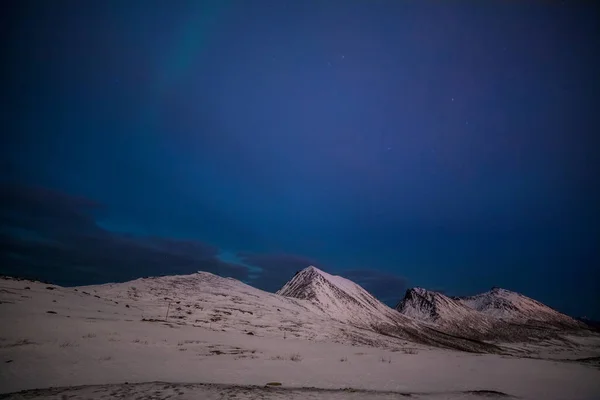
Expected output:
(277, 268)
(388, 288)
(52, 235)
(46, 210)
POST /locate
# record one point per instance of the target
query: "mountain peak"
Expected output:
(305, 281)
(426, 305)
(312, 268)
(337, 297)
(499, 290)
(419, 291)
(496, 313)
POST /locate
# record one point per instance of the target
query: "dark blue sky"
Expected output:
(452, 147)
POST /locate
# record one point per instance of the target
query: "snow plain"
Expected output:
(87, 342)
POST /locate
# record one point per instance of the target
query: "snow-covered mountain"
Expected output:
(426, 305)
(497, 314)
(444, 312)
(169, 329)
(343, 300)
(225, 304)
(222, 304)
(313, 305)
(340, 299)
(517, 308)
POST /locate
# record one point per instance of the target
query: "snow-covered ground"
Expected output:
(184, 391)
(111, 334)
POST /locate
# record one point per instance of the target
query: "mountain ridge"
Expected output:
(345, 301)
(335, 295)
(497, 314)
(314, 305)
(325, 307)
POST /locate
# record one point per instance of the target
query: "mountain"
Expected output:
(498, 314)
(430, 306)
(313, 305)
(223, 304)
(343, 300)
(340, 299)
(516, 308)
(443, 311)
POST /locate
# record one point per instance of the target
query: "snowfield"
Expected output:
(225, 338)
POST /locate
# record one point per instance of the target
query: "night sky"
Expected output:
(397, 143)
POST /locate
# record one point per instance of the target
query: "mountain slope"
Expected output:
(340, 298)
(314, 305)
(60, 336)
(225, 304)
(442, 311)
(210, 301)
(499, 315)
(343, 300)
(517, 308)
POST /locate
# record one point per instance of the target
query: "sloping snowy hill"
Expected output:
(222, 304)
(225, 304)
